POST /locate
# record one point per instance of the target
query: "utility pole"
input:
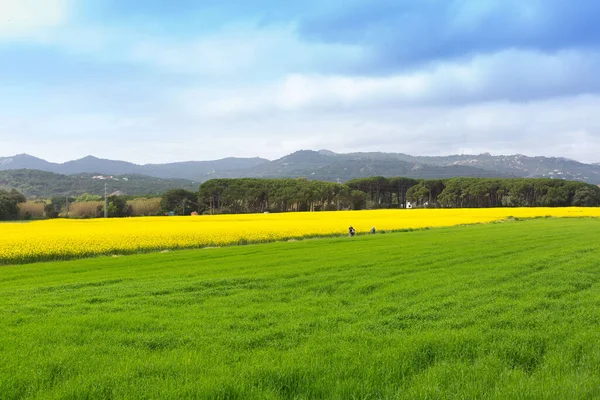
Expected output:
(105, 200)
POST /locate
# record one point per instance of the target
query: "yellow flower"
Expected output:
(61, 238)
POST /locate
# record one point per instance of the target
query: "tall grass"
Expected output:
(87, 209)
(145, 207)
(31, 208)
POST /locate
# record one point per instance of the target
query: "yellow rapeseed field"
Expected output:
(62, 239)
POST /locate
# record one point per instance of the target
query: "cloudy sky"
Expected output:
(160, 81)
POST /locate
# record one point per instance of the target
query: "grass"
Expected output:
(507, 310)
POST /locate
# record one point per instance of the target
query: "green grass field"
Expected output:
(502, 311)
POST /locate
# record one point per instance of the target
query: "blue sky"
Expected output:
(159, 81)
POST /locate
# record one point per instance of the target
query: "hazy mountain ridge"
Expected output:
(44, 184)
(517, 165)
(328, 165)
(346, 168)
(191, 170)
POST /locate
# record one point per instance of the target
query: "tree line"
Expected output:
(254, 195)
(515, 192)
(279, 195)
(383, 192)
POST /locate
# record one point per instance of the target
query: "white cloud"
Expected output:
(27, 18)
(242, 51)
(509, 75)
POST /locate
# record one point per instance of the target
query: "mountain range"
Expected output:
(322, 165)
(191, 170)
(34, 183)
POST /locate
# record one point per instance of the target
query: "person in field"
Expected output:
(351, 231)
(373, 230)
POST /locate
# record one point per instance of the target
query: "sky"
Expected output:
(163, 81)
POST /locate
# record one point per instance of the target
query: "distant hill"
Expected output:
(330, 166)
(520, 165)
(201, 170)
(191, 170)
(25, 161)
(42, 184)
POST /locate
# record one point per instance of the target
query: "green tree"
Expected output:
(586, 197)
(50, 211)
(9, 204)
(181, 201)
(117, 207)
(86, 197)
(419, 194)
